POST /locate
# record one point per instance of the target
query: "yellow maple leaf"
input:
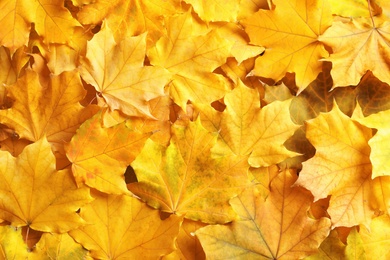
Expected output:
(51, 19)
(187, 244)
(50, 198)
(11, 66)
(52, 111)
(125, 228)
(12, 245)
(116, 71)
(359, 45)
(191, 55)
(277, 228)
(341, 167)
(102, 166)
(130, 18)
(355, 8)
(216, 10)
(379, 149)
(375, 241)
(331, 248)
(249, 7)
(290, 35)
(186, 179)
(57, 246)
(246, 129)
(16, 23)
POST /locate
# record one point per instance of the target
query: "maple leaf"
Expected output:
(127, 85)
(15, 20)
(11, 243)
(191, 55)
(359, 45)
(245, 129)
(355, 8)
(186, 179)
(57, 246)
(379, 149)
(375, 241)
(216, 10)
(331, 248)
(51, 200)
(188, 245)
(11, 66)
(130, 17)
(102, 167)
(51, 19)
(127, 228)
(52, 111)
(249, 7)
(341, 167)
(290, 35)
(372, 94)
(277, 228)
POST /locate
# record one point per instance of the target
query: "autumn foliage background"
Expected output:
(185, 129)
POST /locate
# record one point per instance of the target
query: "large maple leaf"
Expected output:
(130, 18)
(191, 55)
(52, 111)
(341, 167)
(359, 45)
(275, 228)
(125, 228)
(116, 71)
(186, 179)
(290, 35)
(102, 166)
(49, 200)
(51, 19)
(246, 129)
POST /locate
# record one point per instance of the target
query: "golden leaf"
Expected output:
(277, 228)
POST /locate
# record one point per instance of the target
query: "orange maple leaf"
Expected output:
(52, 111)
(277, 228)
(290, 35)
(124, 227)
(49, 200)
(102, 166)
(186, 179)
(341, 167)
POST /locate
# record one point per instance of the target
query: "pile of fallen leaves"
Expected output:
(186, 129)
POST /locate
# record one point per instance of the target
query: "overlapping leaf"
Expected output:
(124, 227)
(290, 35)
(11, 243)
(341, 167)
(246, 129)
(216, 10)
(57, 246)
(49, 200)
(379, 148)
(277, 228)
(116, 71)
(57, 119)
(191, 55)
(186, 179)
(359, 45)
(102, 166)
(375, 241)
